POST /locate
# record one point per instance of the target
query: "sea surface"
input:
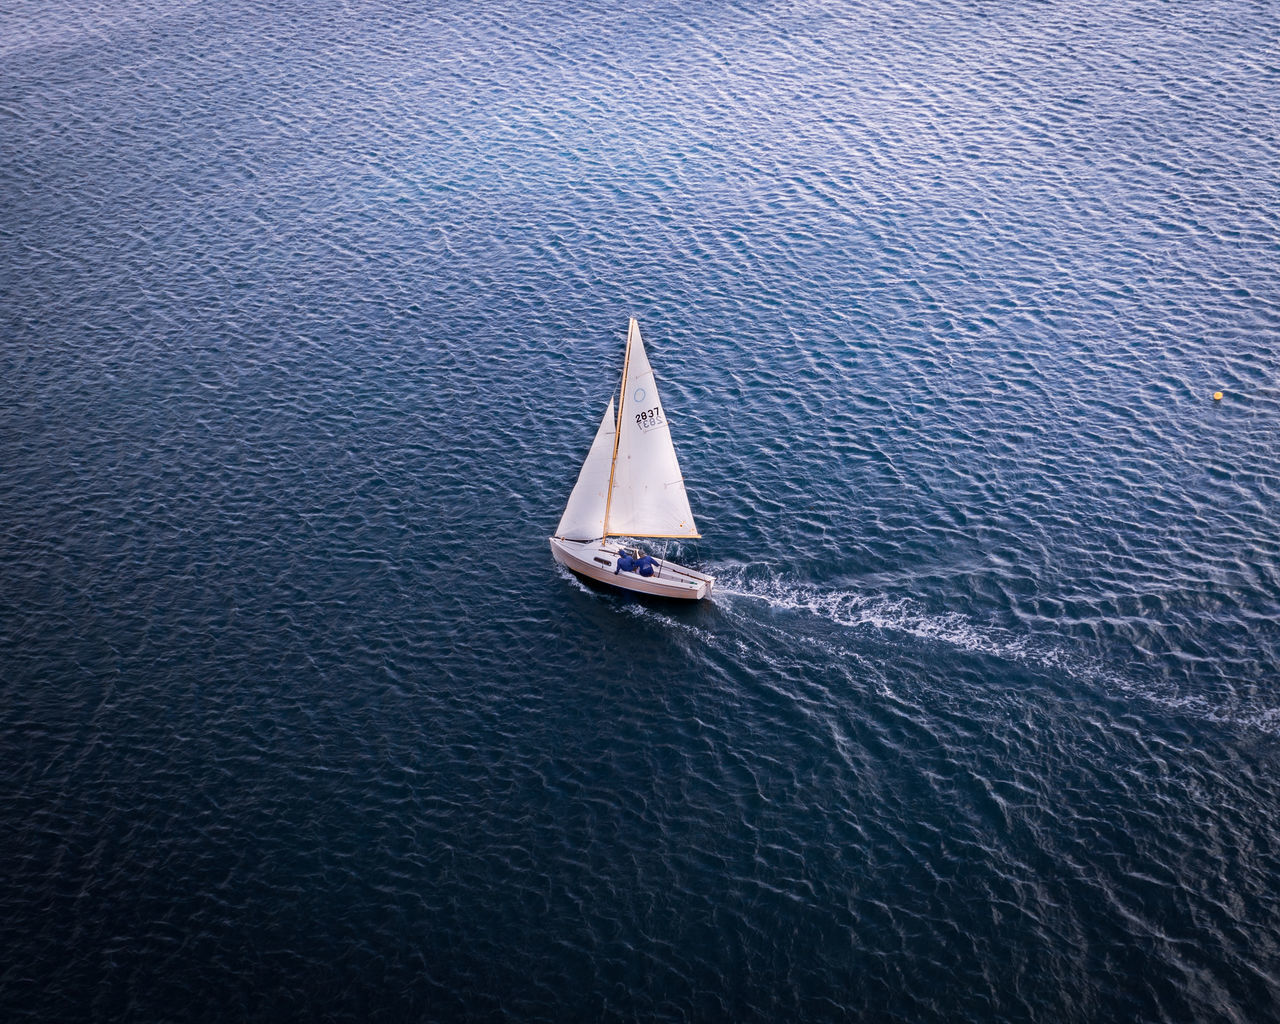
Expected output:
(308, 313)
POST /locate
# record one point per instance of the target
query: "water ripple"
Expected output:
(308, 316)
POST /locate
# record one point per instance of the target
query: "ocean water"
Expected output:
(308, 313)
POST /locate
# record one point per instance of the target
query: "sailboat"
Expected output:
(630, 488)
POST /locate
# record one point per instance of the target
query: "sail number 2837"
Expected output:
(647, 418)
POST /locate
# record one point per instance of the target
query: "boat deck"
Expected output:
(598, 560)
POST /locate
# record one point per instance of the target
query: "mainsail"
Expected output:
(646, 491)
(583, 517)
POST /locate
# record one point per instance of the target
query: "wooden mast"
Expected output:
(617, 428)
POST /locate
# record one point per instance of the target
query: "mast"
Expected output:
(622, 398)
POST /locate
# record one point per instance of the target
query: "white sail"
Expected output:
(583, 517)
(647, 497)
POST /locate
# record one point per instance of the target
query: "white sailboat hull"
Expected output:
(597, 560)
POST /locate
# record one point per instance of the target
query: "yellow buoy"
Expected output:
(1217, 396)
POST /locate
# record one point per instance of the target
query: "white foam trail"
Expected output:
(852, 609)
(566, 574)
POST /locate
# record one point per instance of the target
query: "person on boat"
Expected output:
(634, 560)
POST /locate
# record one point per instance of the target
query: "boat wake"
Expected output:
(855, 610)
(857, 615)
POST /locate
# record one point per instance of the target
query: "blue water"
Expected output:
(308, 313)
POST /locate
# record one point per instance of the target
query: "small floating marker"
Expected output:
(1217, 396)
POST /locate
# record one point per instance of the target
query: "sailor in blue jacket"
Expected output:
(634, 561)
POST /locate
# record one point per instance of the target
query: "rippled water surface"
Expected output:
(307, 317)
